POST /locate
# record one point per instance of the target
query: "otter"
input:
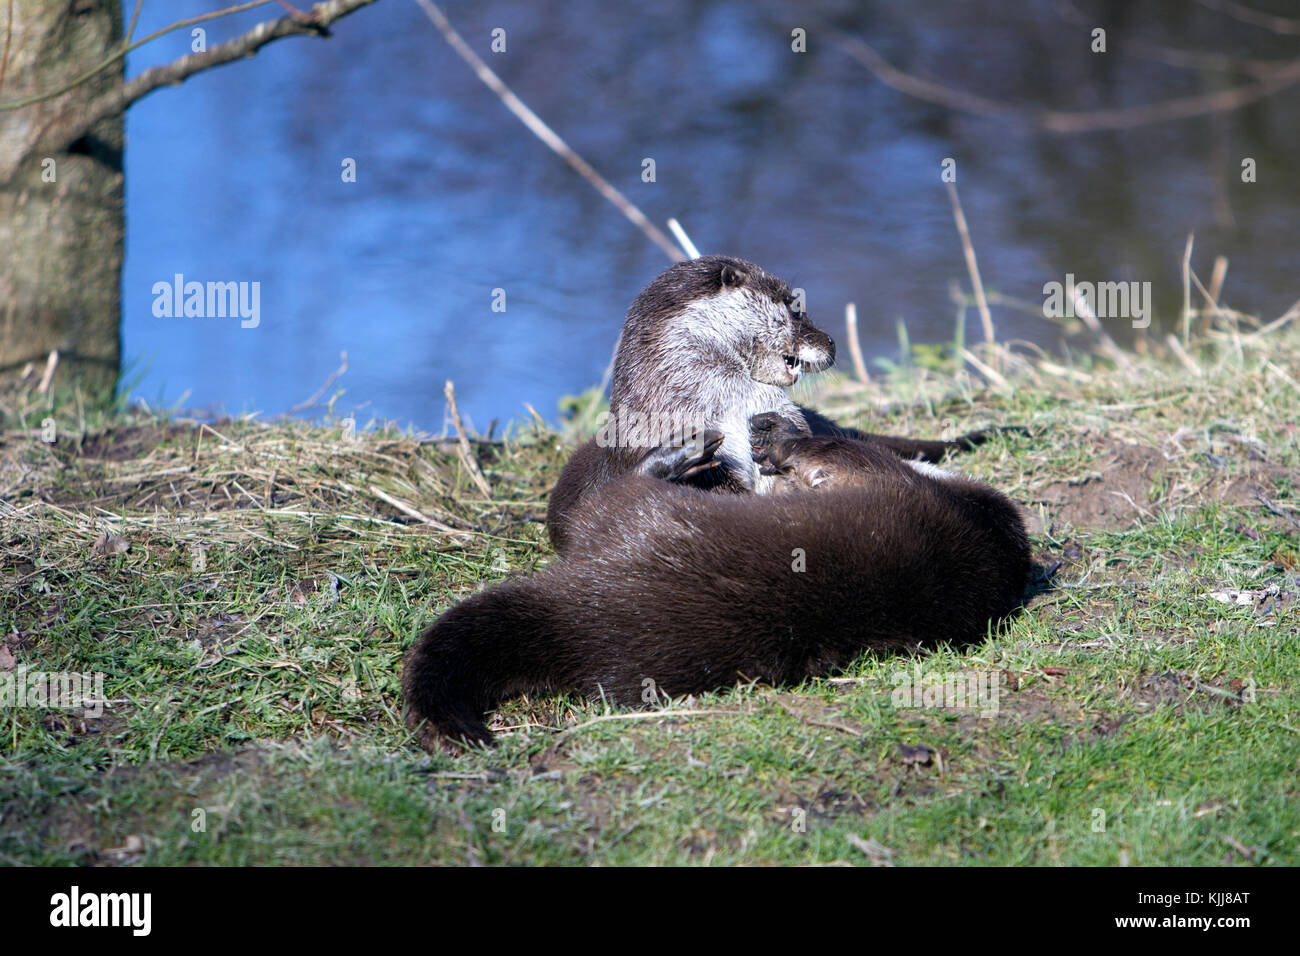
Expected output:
(672, 588)
(708, 344)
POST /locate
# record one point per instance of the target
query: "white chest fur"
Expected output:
(736, 451)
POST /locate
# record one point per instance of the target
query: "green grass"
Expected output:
(255, 708)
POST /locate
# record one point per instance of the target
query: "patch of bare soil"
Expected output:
(827, 801)
(1025, 698)
(1256, 489)
(79, 724)
(1185, 692)
(1113, 496)
(1116, 492)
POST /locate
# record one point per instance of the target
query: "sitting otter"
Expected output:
(706, 345)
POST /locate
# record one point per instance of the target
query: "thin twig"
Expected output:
(466, 455)
(683, 240)
(51, 364)
(1187, 290)
(1057, 121)
(1072, 373)
(1208, 315)
(122, 51)
(547, 135)
(68, 127)
(992, 374)
(135, 17)
(644, 715)
(828, 724)
(1281, 320)
(968, 249)
(415, 513)
(1217, 277)
(334, 377)
(1084, 311)
(1275, 509)
(1181, 354)
(878, 854)
(1247, 852)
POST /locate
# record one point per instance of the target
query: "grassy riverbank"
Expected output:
(249, 589)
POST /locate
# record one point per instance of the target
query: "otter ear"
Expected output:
(733, 277)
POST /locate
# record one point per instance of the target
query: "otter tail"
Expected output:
(471, 659)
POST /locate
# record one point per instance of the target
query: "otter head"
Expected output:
(722, 317)
(709, 343)
(757, 315)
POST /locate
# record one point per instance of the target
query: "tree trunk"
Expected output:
(61, 205)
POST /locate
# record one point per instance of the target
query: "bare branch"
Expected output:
(1197, 59)
(1183, 59)
(135, 18)
(547, 135)
(1129, 117)
(466, 453)
(1239, 11)
(66, 129)
(122, 50)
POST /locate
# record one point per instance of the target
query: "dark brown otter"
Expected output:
(669, 589)
(707, 345)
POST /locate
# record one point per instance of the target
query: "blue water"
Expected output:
(803, 163)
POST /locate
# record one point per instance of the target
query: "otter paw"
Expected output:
(682, 462)
(767, 430)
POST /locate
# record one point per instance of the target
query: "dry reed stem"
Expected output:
(972, 266)
(1113, 351)
(1181, 354)
(855, 349)
(466, 454)
(51, 364)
